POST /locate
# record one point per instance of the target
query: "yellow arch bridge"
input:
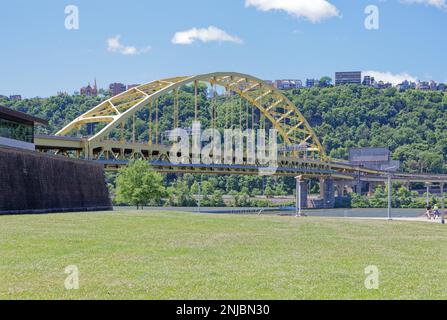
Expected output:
(257, 105)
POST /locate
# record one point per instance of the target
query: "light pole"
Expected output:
(299, 180)
(390, 191)
(390, 195)
(428, 193)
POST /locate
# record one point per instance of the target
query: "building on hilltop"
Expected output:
(423, 85)
(287, 84)
(310, 83)
(405, 85)
(16, 97)
(352, 77)
(382, 85)
(433, 85)
(117, 88)
(368, 81)
(90, 91)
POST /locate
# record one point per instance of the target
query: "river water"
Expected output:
(373, 213)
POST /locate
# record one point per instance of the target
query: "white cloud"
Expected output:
(205, 35)
(441, 4)
(114, 45)
(395, 79)
(313, 10)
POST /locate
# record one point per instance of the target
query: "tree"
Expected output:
(245, 191)
(207, 188)
(279, 190)
(195, 188)
(359, 201)
(139, 185)
(268, 192)
(404, 197)
(325, 81)
(379, 199)
(215, 200)
(180, 194)
(431, 162)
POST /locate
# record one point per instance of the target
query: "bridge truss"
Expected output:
(298, 137)
(115, 141)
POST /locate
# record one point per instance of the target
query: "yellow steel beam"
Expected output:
(135, 99)
(52, 142)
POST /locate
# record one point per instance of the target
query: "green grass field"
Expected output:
(168, 255)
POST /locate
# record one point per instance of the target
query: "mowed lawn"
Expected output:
(172, 255)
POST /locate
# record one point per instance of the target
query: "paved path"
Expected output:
(416, 219)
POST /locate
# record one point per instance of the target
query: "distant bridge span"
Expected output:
(115, 143)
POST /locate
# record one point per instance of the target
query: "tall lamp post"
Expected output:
(299, 180)
(390, 191)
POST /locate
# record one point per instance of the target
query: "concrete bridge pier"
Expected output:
(339, 188)
(304, 193)
(354, 187)
(303, 187)
(327, 193)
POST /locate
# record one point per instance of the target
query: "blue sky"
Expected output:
(271, 39)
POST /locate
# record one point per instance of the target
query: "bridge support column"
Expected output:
(304, 193)
(340, 187)
(327, 192)
(356, 187)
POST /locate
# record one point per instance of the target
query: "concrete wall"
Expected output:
(32, 182)
(17, 144)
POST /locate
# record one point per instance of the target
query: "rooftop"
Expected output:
(20, 116)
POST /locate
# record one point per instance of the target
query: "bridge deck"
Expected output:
(43, 142)
(288, 166)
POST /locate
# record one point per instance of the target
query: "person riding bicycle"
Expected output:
(436, 212)
(429, 212)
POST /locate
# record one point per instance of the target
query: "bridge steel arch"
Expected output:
(273, 104)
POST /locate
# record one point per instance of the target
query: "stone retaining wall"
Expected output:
(32, 182)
